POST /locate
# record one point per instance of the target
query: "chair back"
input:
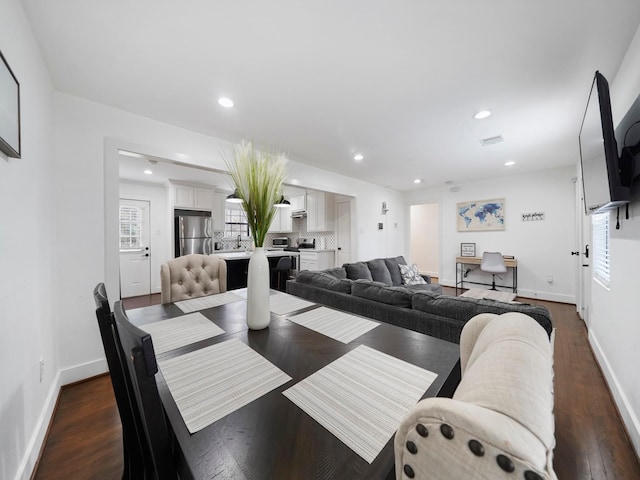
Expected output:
(492, 262)
(122, 388)
(284, 264)
(192, 276)
(142, 367)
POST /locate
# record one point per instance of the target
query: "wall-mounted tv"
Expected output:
(604, 185)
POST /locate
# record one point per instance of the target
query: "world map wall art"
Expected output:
(481, 215)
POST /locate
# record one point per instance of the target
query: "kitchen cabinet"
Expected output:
(193, 197)
(299, 202)
(282, 222)
(316, 259)
(319, 212)
(218, 210)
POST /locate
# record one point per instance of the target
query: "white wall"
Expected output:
(542, 248)
(160, 219)
(425, 237)
(615, 312)
(27, 261)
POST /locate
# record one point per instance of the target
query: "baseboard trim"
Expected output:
(535, 295)
(26, 469)
(629, 416)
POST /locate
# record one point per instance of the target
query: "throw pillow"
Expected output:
(411, 275)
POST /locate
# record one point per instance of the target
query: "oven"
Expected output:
(280, 242)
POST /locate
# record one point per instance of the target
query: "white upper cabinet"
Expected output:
(197, 197)
(298, 203)
(282, 222)
(319, 211)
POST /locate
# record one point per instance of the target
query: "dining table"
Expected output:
(305, 398)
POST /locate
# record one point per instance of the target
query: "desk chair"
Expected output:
(192, 276)
(283, 266)
(493, 263)
(141, 368)
(122, 388)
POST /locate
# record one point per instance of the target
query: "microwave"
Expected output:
(280, 242)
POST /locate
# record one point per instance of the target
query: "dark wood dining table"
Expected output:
(271, 437)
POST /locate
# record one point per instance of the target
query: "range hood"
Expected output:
(298, 213)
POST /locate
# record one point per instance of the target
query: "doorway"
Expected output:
(424, 237)
(343, 232)
(135, 252)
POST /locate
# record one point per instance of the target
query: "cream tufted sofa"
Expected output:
(192, 276)
(499, 423)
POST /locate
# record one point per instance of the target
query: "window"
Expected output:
(130, 226)
(600, 232)
(235, 222)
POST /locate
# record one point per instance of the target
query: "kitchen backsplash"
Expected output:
(324, 240)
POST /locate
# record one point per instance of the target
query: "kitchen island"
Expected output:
(238, 265)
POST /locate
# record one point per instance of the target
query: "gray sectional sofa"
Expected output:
(374, 289)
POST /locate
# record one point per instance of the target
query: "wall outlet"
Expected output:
(549, 279)
(41, 368)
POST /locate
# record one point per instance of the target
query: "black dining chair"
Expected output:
(142, 368)
(122, 388)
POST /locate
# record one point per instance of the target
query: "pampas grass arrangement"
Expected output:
(258, 178)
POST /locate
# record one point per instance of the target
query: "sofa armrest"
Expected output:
(442, 439)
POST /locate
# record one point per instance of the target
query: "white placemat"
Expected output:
(340, 326)
(281, 303)
(202, 303)
(213, 382)
(180, 331)
(362, 397)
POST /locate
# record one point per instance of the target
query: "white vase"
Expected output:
(258, 313)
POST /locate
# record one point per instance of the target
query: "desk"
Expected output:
(271, 438)
(463, 265)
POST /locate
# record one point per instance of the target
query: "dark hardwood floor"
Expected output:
(84, 441)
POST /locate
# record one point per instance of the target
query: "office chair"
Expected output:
(493, 263)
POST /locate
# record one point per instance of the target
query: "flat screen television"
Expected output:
(603, 184)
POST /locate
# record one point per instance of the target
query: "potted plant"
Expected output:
(258, 178)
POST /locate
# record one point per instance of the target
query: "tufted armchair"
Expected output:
(192, 276)
(499, 423)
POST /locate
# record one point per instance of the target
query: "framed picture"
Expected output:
(480, 215)
(9, 111)
(467, 249)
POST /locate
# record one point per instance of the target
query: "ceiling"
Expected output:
(395, 80)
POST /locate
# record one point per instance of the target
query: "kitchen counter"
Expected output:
(246, 254)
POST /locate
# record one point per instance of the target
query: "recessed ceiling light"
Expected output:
(509, 163)
(358, 156)
(417, 180)
(148, 172)
(225, 102)
(482, 114)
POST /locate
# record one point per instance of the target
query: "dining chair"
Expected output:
(122, 388)
(142, 368)
(493, 263)
(192, 276)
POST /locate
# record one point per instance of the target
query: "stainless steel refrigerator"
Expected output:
(193, 232)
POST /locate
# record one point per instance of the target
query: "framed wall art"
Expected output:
(9, 111)
(480, 215)
(467, 249)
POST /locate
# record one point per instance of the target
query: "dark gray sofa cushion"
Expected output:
(394, 270)
(379, 271)
(337, 272)
(357, 270)
(379, 292)
(426, 287)
(325, 280)
(463, 309)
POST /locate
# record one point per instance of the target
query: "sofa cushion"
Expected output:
(379, 271)
(394, 269)
(324, 280)
(379, 292)
(411, 275)
(428, 287)
(357, 270)
(337, 272)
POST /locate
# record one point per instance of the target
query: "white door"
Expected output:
(344, 233)
(135, 252)
(583, 263)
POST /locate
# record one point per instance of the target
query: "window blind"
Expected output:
(600, 233)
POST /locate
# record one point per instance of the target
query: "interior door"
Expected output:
(583, 263)
(344, 233)
(135, 252)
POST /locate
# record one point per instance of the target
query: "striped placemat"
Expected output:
(340, 326)
(202, 303)
(180, 331)
(362, 397)
(212, 382)
(281, 303)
